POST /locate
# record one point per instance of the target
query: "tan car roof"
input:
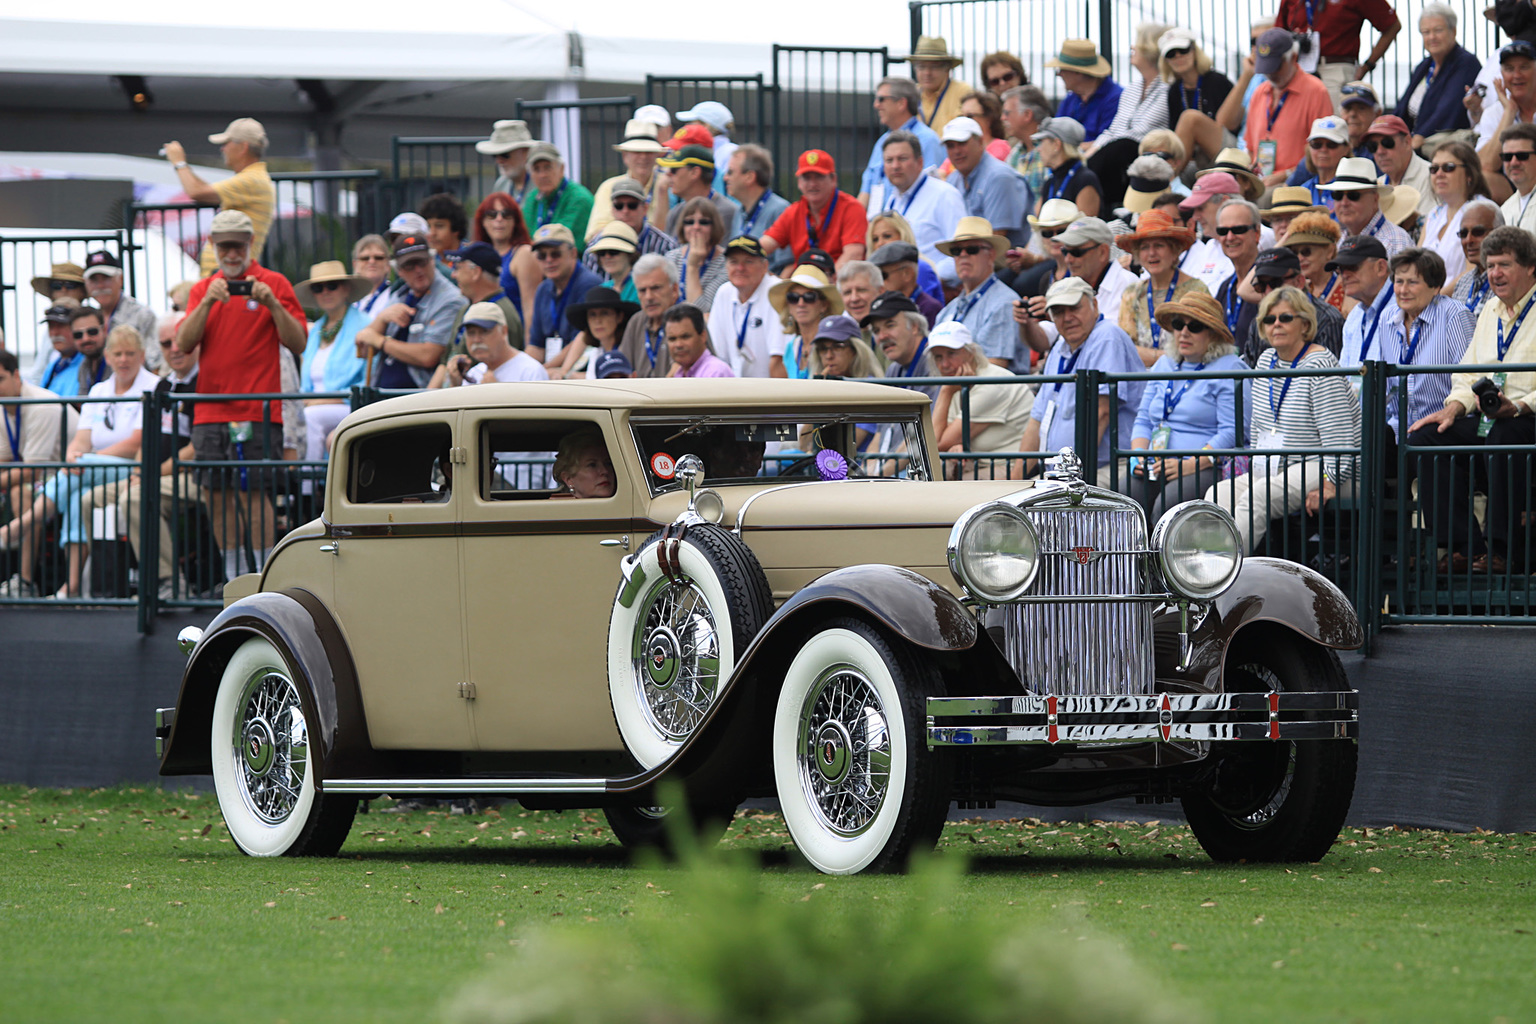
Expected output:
(770, 393)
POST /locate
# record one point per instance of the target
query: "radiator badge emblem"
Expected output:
(1085, 555)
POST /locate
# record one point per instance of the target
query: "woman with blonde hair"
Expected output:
(1196, 92)
(802, 300)
(890, 226)
(1143, 107)
(1292, 413)
(1168, 147)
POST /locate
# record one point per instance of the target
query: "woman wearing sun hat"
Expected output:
(617, 249)
(1289, 202)
(330, 361)
(1093, 97)
(932, 68)
(1157, 243)
(599, 318)
(1314, 238)
(802, 300)
(1185, 413)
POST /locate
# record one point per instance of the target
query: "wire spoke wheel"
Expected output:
(676, 658)
(271, 746)
(845, 751)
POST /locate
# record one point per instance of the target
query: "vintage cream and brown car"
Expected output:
(778, 599)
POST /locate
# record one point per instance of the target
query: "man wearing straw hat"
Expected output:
(932, 66)
(508, 145)
(638, 151)
(1357, 199)
(985, 304)
(1093, 96)
(250, 191)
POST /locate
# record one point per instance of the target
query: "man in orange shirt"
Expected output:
(1282, 109)
(823, 217)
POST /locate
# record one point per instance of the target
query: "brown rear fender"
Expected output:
(302, 630)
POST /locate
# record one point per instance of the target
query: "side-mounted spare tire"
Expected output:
(693, 600)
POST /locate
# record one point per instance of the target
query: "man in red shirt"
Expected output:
(1334, 28)
(823, 217)
(244, 316)
(1282, 110)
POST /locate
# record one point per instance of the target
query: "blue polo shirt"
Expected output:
(1096, 112)
(1000, 194)
(62, 377)
(988, 314)
(1106, 348)
(549, 317)
(934, 153)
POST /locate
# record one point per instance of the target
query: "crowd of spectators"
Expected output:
(1183, 222)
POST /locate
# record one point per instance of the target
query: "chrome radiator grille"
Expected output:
(1076, 647)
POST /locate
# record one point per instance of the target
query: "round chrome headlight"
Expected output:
(994, 552)
(1198, 549)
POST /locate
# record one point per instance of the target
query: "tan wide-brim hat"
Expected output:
(1199, 306)
(1401, 204)
(1082, 56)
(332, 270)
(1055, 213)
(640, 137)
(932, 48)
(1291, 201)
(806, 277)
(1236, 163)
(974, 229)
(70, 272)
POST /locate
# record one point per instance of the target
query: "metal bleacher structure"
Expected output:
(1372, 544)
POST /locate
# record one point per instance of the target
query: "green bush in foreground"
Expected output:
(728, 951)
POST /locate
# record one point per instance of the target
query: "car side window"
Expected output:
(518, 457)
(404, 466)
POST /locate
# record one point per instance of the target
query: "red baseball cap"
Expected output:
(816, 161)
(1388, 124)
(692, 135)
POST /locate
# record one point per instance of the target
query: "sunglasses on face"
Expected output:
(970, 250)
(1522, 156)
(1178, 323)
(797, 297)
(1079, 252)
(1349, 197)
(626, 204)
(1264, 284)
(89, 332)
(1303, 251)
(376, 258)
(1234, 229)
(324, 286)
(1051, 232)
(1390, 142)
(548, 252)
(1324, 144)
(61, 286)
(1446, 168)
(1002, 79)
(1183, 51)
(406, 268)
(499, 215)
(168, 345)
(698, 222)
(1475, 232)
(1283, 318)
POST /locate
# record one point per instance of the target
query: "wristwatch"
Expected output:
(178, 165)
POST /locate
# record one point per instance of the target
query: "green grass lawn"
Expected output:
(134, 903)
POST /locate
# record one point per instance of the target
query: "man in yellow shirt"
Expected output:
(933, 66)
(250, 191)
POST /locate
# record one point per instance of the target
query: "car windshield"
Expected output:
(743, 448)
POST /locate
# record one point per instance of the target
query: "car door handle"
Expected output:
(331, 549)
(616, 542)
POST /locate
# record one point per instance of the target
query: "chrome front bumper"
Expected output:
(1167, 717)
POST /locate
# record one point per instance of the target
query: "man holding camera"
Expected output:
(1494, 409)
(243, 316)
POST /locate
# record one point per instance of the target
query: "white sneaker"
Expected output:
(18, 587)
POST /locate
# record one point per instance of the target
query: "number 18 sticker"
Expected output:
(663, 465)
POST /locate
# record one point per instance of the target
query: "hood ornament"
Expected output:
(1065, 466)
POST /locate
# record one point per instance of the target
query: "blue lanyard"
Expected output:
(1275, 407)
(1477, 296)
(1170, 400)
(1365, 346)
(1184, 95)
(13, 434)
(547, 208)
(1274, 109)
(53, 371)
(1413, 345)
(928, 118)
(741, 331)
(1056, 191)
(917, 357)
(960, 315)
(1376, 224)
(757, 208)
(1311, 13)
(101, 372)
(1157, 328)
(922, 179)
(1504, 345)
(1065, 366)
(1234, 306)
(558, 303)
(650, 346)
(1333, 279)
(810, 231)
(1318, 198)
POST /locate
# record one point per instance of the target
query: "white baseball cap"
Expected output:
(961, 129)
(950, 334)
(655, 114)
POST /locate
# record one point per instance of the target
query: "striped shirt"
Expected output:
(1472, 291)
(1142, 109)
(1313, 412)
(1442, 339)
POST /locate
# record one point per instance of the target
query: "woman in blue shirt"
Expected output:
(1184, 412)
(330, 362)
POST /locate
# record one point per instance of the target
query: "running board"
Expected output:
(472, 786)
(1151, 718)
